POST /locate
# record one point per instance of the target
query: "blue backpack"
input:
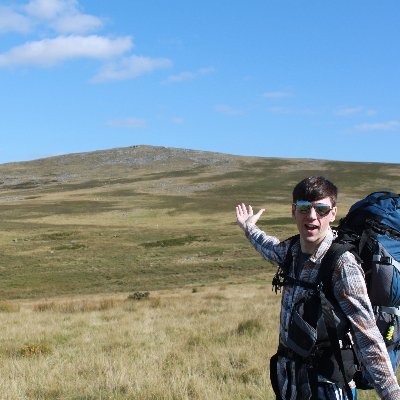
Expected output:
(371, 230)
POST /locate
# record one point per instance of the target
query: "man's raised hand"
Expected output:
(245, 217)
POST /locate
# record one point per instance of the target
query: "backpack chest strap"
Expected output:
(290, 281)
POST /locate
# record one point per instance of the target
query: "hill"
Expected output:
(145, 218)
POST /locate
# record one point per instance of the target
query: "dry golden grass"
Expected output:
(210, 343)
(9, 306)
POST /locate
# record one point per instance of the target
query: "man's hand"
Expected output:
(246, 218)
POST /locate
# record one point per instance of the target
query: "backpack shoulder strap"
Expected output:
(327, 297)
(329, 319)
(329, 262)
(280, 278)
(285, 266)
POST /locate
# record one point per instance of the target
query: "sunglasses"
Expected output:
(304, 207)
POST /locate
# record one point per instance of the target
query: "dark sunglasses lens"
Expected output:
(303, 207)
(322, 209)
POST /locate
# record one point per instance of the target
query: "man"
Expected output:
(305, 366)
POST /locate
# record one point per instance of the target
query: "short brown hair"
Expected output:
(315, 188)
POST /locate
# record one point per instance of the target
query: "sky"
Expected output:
(269, 78)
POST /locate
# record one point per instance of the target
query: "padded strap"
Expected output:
(387, 310)
(329, 319)
(386, 260)
(273, 375)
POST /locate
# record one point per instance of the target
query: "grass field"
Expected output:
(201, 342)
(198, 343)
(81, 232)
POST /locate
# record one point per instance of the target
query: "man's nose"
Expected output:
(312, 213)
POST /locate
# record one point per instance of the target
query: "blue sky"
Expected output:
(270, 78)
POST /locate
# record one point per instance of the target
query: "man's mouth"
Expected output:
(311, 227)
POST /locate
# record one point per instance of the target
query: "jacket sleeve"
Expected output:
(351, 293)
(270, 247)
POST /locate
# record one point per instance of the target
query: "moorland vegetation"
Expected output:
(85, 236)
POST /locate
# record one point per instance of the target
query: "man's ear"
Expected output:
(333, 214)
(293, 210)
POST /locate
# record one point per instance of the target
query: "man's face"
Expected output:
(312, 226)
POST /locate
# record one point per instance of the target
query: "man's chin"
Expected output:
(311, 239)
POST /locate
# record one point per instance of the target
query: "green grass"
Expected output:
(147, 218)
(179, 241)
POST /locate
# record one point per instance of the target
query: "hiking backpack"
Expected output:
(371, 231)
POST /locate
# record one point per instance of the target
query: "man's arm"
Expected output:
(351, 292)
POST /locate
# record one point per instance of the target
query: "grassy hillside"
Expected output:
(147, 218)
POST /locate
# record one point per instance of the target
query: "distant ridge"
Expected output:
(144, 159)
(109, 163)
(146, 154)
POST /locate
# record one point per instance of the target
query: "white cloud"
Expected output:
(379, 126)
(131, 67)
(187, 75)
(47, 9)
(63, 16)
(72, 40)
(78, 23)
(358, 110)
(177, 120)
(228, 110)
(11, 21)
(183, 76)
(371, 113)
(132, 123)
(48, 52)
(347, 111)
(276, 95)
